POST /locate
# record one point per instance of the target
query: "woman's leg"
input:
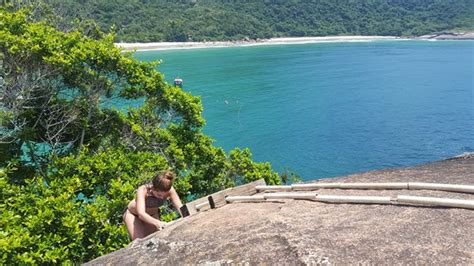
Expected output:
(136, 227)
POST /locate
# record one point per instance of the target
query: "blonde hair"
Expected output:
(163, 181)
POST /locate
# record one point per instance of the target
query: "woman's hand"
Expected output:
(160, 225)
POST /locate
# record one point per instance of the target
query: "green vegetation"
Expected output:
(198, 20)
(69, 163)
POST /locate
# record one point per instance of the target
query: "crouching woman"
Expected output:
(142, 216)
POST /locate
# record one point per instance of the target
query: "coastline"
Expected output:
(155, 46)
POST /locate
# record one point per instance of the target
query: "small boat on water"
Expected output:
(178, 82)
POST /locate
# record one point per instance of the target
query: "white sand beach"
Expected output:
(273, 41)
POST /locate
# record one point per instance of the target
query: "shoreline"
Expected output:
(157, 46)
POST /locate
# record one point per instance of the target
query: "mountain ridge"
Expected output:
(211, 20)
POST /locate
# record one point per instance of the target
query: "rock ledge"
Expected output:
(308, 232)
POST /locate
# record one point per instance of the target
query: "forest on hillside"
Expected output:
(199, 20)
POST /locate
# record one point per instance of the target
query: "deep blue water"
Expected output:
(325, 110)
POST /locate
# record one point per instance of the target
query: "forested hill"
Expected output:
(198, 20)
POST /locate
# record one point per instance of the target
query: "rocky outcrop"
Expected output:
(449, 36)
(308, 232)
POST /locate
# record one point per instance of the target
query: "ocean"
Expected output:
(330, 109)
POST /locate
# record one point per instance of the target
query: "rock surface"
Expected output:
(308, 232)
(449, 36)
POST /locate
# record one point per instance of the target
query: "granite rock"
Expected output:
(309, 232)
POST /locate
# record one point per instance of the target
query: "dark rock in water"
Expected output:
(308, 232)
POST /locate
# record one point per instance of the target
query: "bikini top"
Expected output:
(151, 201)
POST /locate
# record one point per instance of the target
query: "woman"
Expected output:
(142, 216)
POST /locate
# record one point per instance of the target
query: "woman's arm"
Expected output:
(176, 201)
(141, 209)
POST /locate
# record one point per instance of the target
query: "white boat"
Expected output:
(178, 82)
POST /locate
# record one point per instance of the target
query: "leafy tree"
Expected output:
(72, 160)
(174, 32)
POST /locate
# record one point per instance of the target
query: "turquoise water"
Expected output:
(325, 110)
